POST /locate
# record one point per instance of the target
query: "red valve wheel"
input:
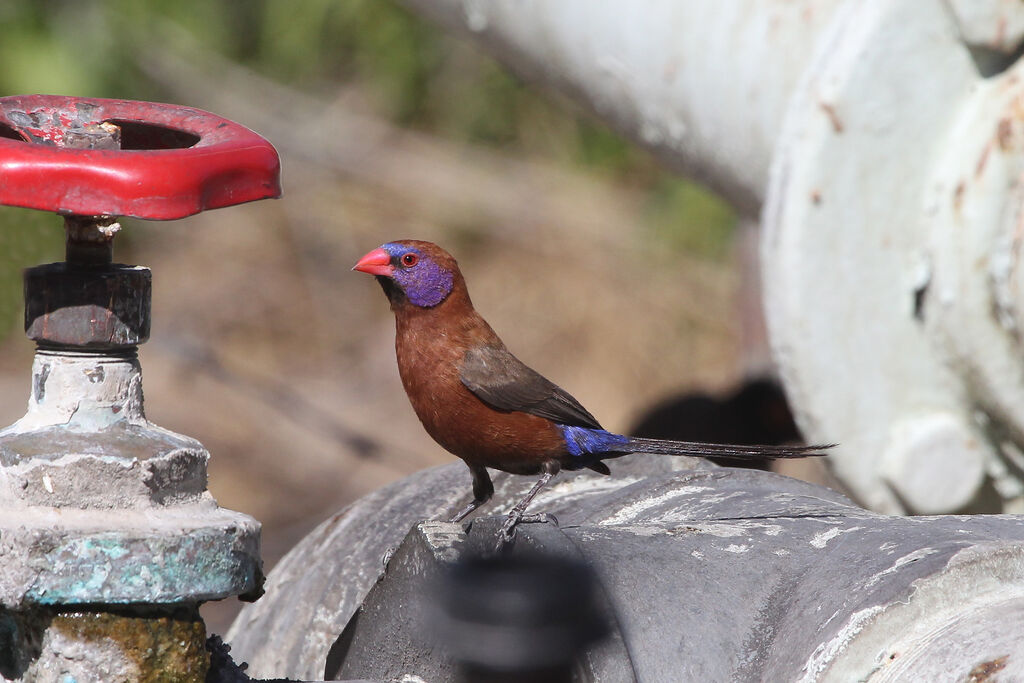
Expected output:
(173, 161)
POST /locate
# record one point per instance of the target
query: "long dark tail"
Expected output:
(636, 444)
(598, 444)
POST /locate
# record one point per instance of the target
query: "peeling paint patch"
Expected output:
(443, 538)
(639, 531)
(820, 540)
(983, 672)
(825, 653)
(629, 513)
(722, 530)
(906, 559)
(580, 486)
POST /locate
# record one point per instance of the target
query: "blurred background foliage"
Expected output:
(403, 69)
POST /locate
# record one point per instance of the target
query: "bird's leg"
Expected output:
(515, 515)
(483, 489)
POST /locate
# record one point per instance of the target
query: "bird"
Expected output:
(482, 404)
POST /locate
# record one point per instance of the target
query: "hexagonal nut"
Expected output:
(97, 308)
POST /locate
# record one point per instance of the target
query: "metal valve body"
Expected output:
(108, 537)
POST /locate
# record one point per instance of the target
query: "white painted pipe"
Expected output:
(704, 85)
(890, 248)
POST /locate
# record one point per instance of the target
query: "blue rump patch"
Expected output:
(585, 441)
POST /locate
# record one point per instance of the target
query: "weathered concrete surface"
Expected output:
(712, 574)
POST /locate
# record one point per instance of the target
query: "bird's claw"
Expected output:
(507, 532)
(539, 518)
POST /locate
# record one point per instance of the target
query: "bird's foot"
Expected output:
(539, 518)
(507, 532)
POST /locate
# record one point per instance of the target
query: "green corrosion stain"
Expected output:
(114, 568)
(163, 648)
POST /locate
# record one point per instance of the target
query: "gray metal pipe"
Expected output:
(711, 574)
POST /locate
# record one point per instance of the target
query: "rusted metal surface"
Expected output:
(90, 239)
(144, 644)
(98, 505)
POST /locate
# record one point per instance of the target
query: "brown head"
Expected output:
(415, 274)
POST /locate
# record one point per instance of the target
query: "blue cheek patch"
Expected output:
(584, 441)
(426, 285)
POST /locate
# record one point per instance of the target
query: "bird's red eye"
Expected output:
(409, 260)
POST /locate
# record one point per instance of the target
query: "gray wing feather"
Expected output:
(504, 382)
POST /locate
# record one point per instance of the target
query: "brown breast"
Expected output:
(430, 344)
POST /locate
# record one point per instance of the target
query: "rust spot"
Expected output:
(958, 195)
(983, 672)
(979, 168)
(816, 197)
(1000, 36)
(163, 647)
(670, 71)
(830, 112)
(1004, 133)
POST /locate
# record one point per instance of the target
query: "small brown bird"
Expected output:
(483, 404)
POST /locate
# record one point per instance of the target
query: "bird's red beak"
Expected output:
(376, 262)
